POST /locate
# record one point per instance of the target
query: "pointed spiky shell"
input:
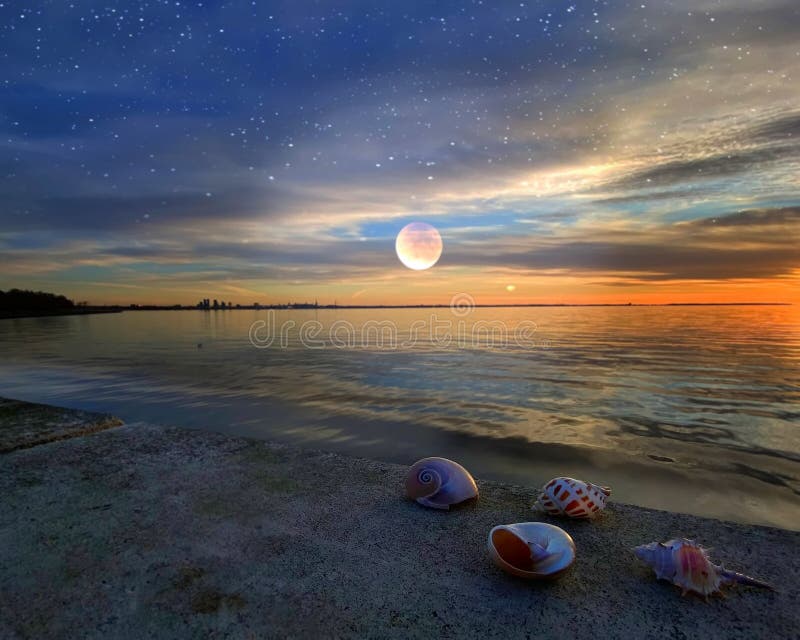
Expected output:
(573, 498)
(682, 563)
(531, 550)
(439, 483)
(687, 565)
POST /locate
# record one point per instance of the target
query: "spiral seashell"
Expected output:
(686, 564)
(572, 498)
(439, 483)
(531, 550)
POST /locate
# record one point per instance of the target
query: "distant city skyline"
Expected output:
(569, 152)
(20, 303)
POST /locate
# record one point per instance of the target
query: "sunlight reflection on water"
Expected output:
(715, 387)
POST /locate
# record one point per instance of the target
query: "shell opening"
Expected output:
(512, 549)
(531, 550)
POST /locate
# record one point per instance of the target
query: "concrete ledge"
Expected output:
(152, 532)
(24, 424)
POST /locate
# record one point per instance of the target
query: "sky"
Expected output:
(567, 152)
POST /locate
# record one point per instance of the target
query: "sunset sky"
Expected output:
(251, 151)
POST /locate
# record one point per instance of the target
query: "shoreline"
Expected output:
(58, 313)
(738, 485)
(145, 530)
(11, 315)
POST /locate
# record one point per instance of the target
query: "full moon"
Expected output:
(418, 246)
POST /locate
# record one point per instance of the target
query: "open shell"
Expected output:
(439, 483)
(531, 550)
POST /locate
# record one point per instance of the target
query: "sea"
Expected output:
(693, 409)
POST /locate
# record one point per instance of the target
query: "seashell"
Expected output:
(532, 550)
(573, 498)
(686, 564)
(439, 483)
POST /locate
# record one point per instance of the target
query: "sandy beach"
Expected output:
(140, 530)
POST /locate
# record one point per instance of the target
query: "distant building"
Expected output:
(303, 305)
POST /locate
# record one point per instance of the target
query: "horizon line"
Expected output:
(306, 306)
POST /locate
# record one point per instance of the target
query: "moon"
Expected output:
(418, 246)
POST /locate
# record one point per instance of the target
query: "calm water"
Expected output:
(695, 409)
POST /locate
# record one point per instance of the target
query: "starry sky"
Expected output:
(568, 152)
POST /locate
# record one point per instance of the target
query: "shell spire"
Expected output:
(573, 498)
(734, 577)
(687, 565)
(439, 483)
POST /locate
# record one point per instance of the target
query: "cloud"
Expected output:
(653, 196)
(710, 249)
(787, 217)
(693, 169)
(721, 152)
(785, 127)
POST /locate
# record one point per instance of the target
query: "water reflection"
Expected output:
(611, 392)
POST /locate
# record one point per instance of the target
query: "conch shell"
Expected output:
(532, 550)
(686, 564)
(573, 498)
(439, 483)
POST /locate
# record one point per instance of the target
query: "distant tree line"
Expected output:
(39, 301)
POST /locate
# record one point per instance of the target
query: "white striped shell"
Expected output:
(686, 564)
(439, 483)
(564, 496)
(532, 550)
